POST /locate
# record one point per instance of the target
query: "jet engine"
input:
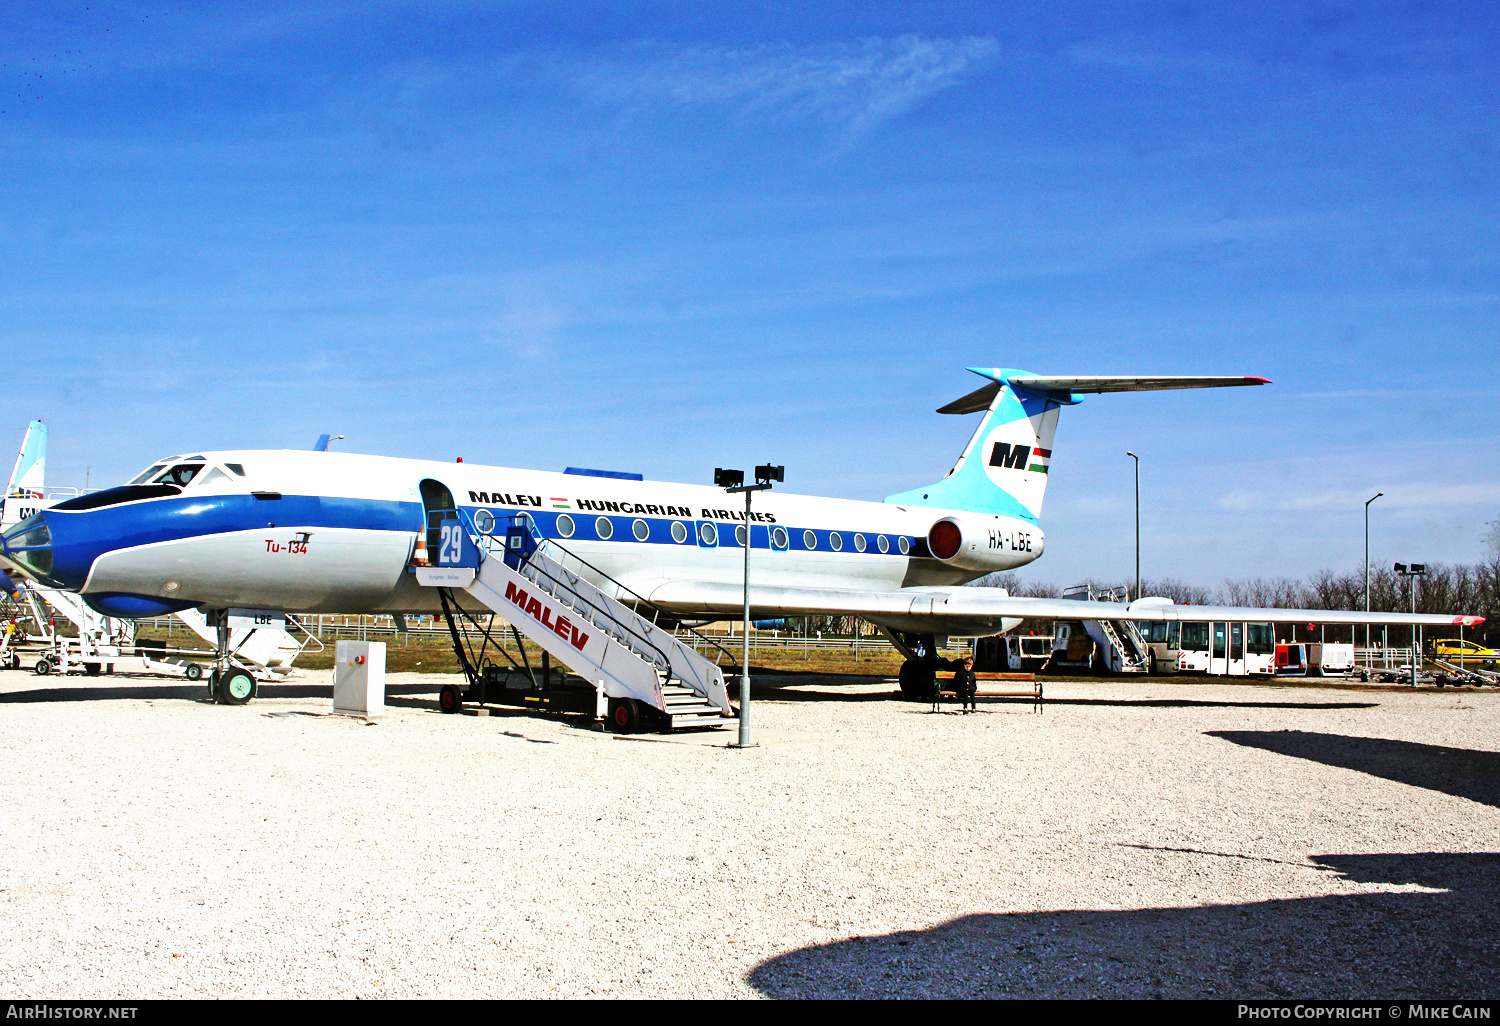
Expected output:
(983, 543)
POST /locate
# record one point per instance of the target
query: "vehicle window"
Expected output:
(238, 469)
(1219, 637)
(1195, 637)
(215, 474)
(641, 530)
(679, 531)
(179, 475)
(148, 475)
(1260, 639)
(565, 525)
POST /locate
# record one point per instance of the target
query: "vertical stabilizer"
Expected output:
(23, 493)
(1003, 469)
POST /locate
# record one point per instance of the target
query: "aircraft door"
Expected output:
(1218, 654)
(1236, 666)
(448, 541)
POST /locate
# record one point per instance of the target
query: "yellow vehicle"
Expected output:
(1464, 653)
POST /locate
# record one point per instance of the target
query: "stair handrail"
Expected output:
(485, 553)
(546, 545)
(552, 543)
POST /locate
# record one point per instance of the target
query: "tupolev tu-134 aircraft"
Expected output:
(318, 531)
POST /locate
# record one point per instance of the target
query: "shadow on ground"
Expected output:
(1379, 946)
(191, 692)
(1461, 772)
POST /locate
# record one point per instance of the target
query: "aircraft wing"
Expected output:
(957, 610)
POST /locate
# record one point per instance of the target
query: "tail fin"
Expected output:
(1004, 468)
(23, 493)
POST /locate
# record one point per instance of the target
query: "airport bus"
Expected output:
(1227, 649)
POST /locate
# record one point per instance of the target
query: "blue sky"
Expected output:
(665, 237)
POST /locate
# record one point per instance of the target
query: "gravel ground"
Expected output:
(1138, 838)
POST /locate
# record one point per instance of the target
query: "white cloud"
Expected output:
(1419, 496)
(853, 85)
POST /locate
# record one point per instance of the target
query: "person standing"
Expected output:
(966, 684)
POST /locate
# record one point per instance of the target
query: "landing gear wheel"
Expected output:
(449, 699)
(625, 715)
(918, 680)
(43, 667)
(236, 687)
(193, 671)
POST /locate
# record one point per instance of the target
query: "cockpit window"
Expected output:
(215, 474)
(178, 475)
(148, 475)
(238, 469)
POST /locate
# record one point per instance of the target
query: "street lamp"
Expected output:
(1367, 569)
(1137, 522)
(733, 481)
(1411, 573)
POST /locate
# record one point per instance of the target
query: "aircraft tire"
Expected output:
(43, 667)
(449, 699)
(193, 671)
(236, 687)
(918, 680)
(625, 715)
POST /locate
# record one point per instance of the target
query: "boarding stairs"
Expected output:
(521, 577)
(1469, 674)
(1122, 647)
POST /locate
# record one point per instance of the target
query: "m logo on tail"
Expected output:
(1003, 455)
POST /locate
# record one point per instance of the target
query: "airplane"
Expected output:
(317, 531)
(23, 493)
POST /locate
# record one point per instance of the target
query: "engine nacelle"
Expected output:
(984, 543)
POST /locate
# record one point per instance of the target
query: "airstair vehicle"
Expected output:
(637, 674)
(1107, 646)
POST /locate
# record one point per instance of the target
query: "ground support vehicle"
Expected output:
(1227, 648)
(1330, 659)
(1098, 646)
(1463, 653)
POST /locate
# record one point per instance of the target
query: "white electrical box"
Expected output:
(359, 678)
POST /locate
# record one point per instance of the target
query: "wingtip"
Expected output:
(1259, 381)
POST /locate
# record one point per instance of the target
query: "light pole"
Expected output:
(1367, 569)
(1137, 522)
(733, 481)
(1411, 573)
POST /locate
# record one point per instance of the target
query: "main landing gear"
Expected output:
(918, 676)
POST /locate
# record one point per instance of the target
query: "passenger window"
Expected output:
(679, 532)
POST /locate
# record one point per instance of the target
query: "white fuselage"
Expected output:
(336, 532)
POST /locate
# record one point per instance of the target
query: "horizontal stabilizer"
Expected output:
(981, 398)
(1127, 383)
